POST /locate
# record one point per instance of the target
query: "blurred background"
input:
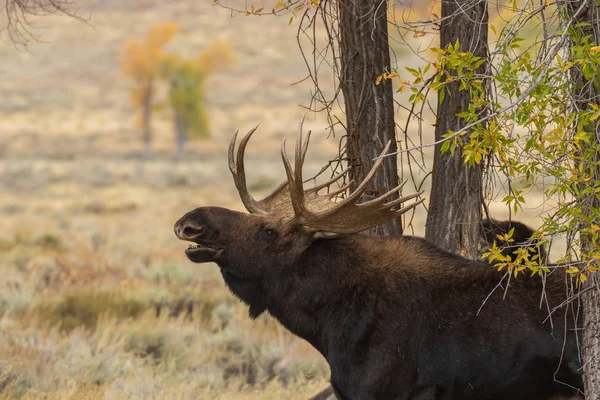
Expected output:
(112, 127)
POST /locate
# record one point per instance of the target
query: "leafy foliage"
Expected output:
(187, 78)
(523, 121)
(147, 64)
(142, 60)
(532, 132)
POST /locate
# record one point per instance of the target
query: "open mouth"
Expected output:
(192, 247)
(199, 253)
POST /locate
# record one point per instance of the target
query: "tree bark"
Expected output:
(586, 92)
(147, 116)
(327, 394)
(364, 54)
(591, 338)
(180, 134)
(453, 220)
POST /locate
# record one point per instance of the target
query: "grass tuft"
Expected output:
(82, 308)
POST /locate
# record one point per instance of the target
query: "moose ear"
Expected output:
(325, 235)
(318, 234)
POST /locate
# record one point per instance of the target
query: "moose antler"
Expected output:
(345, 216)
(279, 201)
(307, 207)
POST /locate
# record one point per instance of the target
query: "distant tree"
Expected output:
(142, 61)
(186, 98)
(17, 23)
(186, 79)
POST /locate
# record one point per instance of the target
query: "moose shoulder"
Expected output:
(395, 318)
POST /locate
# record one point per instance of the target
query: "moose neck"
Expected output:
(319, 297)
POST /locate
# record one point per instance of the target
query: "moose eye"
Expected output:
(269, 233)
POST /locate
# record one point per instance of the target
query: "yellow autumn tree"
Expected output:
(218, 54)
(187, 92)
(141, 62)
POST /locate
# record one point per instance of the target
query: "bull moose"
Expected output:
(394, 318)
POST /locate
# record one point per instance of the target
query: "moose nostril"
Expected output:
(192, 231)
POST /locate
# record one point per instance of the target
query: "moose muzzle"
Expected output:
(188, 230)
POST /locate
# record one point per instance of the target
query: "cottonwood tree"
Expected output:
(147, 63)
(369, 107)
(186, 78)
(142, 62)
(584, 90)
(454, 215)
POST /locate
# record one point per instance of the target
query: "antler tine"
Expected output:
(296, 193)
(401, 200)
(236, 166)
(299, 138)
(300, 153)
(231, 153)
(340, 190)
(408, 208)
(364, 184)
(381, 199)
(329, 182)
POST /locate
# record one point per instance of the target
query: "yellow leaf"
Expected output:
(259, 10)
(582, 278)
(378, 80)
(595, 49)
(392, 75)
(278, 4)
(291, 19)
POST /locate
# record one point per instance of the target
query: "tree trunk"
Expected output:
(364, 54)
(180, 134)
(454, 217)
(326, 394)
(147, 117)
(586, 92)
(591, 338)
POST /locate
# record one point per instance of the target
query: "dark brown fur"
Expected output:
(396, 318)
(522, 237)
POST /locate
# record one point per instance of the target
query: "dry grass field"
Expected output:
(97, 299)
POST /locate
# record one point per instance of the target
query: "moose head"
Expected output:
(281, 226)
